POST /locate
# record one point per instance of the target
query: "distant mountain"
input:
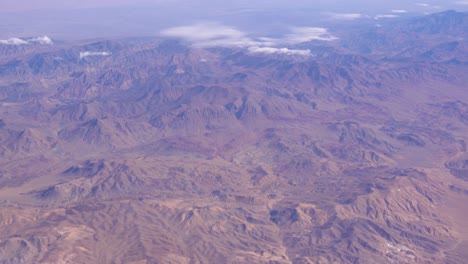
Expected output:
(450, 23)
(413, 34)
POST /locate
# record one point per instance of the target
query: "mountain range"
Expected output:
(149, 150)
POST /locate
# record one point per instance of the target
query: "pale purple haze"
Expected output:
(77, 19)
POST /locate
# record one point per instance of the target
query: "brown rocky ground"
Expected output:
(162, 153)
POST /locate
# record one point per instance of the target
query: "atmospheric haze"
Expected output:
(105, 18)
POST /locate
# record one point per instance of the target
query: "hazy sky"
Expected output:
(102, 18)
(21, 5)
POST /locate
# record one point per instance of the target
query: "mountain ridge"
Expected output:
(150, 151)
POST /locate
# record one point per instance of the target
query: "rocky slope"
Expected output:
(150, 151)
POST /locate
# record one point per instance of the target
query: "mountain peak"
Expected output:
(449, 22)
(450, 12)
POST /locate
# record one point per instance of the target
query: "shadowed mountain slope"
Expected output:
(150, 151)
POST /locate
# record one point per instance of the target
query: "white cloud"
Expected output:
(217, 35)
(265, 41)
(346, 16)
(271, 50)
(461, 2)
(13, 41)
(428, 5)
(44, 40)
(204, 31)
(213, 34)
(385, 16)
(93, 53)
(306, 34)
(210, 34)
(399, 11)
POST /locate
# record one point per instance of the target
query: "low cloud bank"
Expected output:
(13, 41)
(346, 16)
(93, 53)
(210, 34)
(428, 5)
(286, 51)
(385, 16)
(218, 35)
(43, 40)
(306, 34)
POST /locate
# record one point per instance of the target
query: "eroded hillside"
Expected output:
(159, 152)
